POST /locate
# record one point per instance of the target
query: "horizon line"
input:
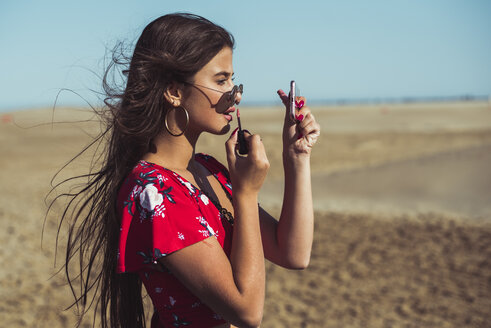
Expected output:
(315, 102)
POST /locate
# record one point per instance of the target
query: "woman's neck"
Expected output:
(174, 153)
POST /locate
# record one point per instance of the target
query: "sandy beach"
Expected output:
(402, 195)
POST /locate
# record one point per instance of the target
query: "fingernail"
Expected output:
(299, 117)
(299, 104)
(300, 136)
(235, 131)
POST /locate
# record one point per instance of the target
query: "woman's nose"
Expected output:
(238, 97)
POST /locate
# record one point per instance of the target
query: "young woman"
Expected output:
(180, 223)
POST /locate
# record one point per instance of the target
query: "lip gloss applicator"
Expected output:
(243, 150)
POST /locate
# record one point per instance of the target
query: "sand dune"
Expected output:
(425, 271)
(454, 182)
(403, 224)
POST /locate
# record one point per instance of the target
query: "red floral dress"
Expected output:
(161, 212)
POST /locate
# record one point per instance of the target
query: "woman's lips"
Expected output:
(230, 110)
(228, 114)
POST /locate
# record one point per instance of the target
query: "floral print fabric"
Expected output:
(161, 212)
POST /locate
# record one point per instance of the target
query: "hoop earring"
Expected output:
(167, 125)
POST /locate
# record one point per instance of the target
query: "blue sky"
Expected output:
(335, 50)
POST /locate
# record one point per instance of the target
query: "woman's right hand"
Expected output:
(248, 172)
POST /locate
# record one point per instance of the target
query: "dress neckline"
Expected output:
(177, 174)
(224, 213)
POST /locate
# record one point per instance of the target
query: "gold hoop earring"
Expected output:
(167, 125)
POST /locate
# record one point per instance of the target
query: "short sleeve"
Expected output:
(160, 215)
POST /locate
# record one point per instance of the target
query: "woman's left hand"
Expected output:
(298, 137)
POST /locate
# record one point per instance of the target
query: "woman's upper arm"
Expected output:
(269, 237)
(281, 250)
(205, 270)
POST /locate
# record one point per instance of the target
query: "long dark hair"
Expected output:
(173, 47)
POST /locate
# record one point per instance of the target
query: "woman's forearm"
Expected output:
(247, 256)
(296, 225)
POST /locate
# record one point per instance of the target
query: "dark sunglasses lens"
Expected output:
(233, 93)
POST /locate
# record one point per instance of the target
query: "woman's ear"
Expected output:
(173, 93)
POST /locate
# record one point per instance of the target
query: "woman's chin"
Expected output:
(224, 130)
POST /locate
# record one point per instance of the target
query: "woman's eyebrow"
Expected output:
(224, 73)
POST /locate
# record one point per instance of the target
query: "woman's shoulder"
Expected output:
(147, 176)
(213, 165)
(150, 185)
(144, 173)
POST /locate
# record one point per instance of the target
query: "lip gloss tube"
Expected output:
(243, 149)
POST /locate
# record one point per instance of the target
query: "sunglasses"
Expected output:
(231, 95)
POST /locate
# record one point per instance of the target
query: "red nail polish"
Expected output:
(299, 104)
(299, 117)
(235, 131)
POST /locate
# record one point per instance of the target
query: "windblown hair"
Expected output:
(173, 47)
